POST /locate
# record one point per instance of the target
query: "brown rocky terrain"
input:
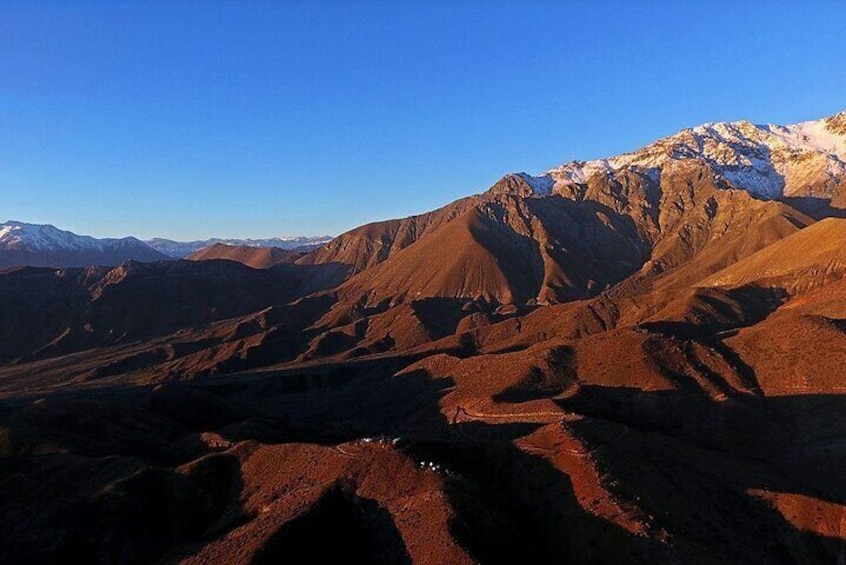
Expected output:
(632, 360)
(255, 257)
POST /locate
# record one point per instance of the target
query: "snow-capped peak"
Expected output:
(16, 235)
(47, 246)
(21, 235)
(770, 161)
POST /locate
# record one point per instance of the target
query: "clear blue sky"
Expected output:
(257, 119)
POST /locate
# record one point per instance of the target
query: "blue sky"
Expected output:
(236, 119)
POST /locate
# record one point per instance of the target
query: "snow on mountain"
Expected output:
(47, 246)
(540, 185)
(182, 249)
(19, 235)
(770, 161)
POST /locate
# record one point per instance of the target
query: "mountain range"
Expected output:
(48, 246)
(635, 359)
(23, 244)
(182, 249)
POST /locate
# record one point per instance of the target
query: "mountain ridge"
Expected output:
(44, 245)
(182, 249)
(719, 150)
(256, 257)
(770, 161)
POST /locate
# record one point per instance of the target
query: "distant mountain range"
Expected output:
(47, 246)
(38, 245)
(182, 249)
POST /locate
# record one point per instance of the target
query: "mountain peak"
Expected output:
(23, 243)
(769, 161)
(15, 234)
(523, 184)
(836, 124)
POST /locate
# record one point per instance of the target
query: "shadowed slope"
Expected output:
(55, 312)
